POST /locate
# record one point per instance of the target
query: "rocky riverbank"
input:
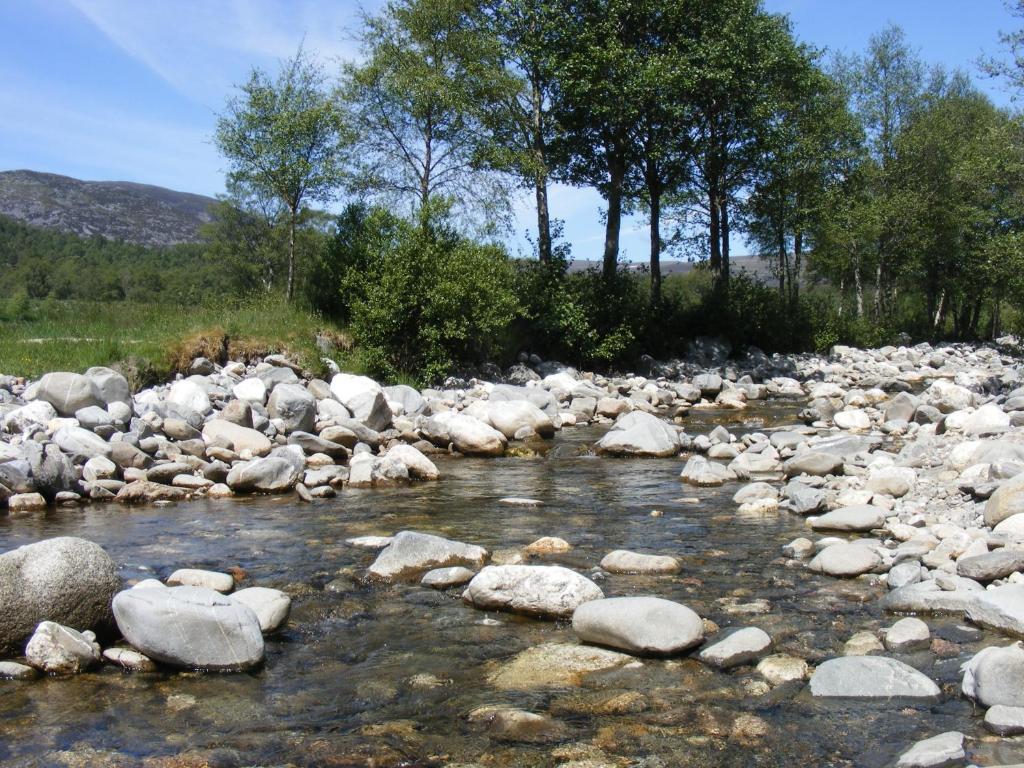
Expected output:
(907, 468)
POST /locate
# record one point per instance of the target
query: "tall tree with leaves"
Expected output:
(284, 139)
(418, 104)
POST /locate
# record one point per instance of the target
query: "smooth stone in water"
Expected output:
(1005, 721)
(845, 560)
(909, 634)
(271, 606)
(938, 751)
(536, 590)
(642, 625)
(554, 665)
(870, 677)
(133, 661)
(779, 669)
(624, 561)
(1001, 609)
(858, 519)
(412, 552)
(995, 675)
(443, 578)
(740, 647)
(190, 627)
(12, 670)
(60, 650)
(991, 565)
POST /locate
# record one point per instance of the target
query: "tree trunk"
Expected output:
(842, 295)
(655, 193)
(724, 231)
(715, 260)
(616, 176)
(859, 288)
(938, 313)
(540, 178)
(291, 252)
(794, 279)
(878, 290)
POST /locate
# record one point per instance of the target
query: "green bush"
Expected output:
(426, 300)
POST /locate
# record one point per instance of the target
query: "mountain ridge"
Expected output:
(145, 214)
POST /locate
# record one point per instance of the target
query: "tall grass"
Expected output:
(72, 335)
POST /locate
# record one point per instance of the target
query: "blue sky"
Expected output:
(129, 90)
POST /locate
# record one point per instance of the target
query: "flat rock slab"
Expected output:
(815, 463)
(936, 752)
(995, 675)
(740, 647)
(411, 552)
(929, 597)
(547, 591)
(271, 606)
(554, 665)
(642, 625)
(190, 627)
(857, 519)
(194, 577)
(443, 578)
(991, 565)
(624, 561)
(870, 677)
(1001, 609)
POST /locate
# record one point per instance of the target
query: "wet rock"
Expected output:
(863, 643)
(995, 675)
(870, 677)
(549, 591)
(145, 492)
(639, 434)
(59, 650)
(845, 560)
(800, 548)
(705, 474)
(193, 577)
(739, 647)
(755, 492)
(780, 668)
(270, 474)
(26, 502)
(624, 561)
(67, 580)
(419, 466)
(931, 597)
(126, 658)
(641, 625)
(271, 606)
(190, 627)
(943, 750)
(909, 634)
(412, 552)
(506, 724)
(547, 545)
(12, 670)
(475, 438)
(1005, 721)
(858, 518)
(443, 578)
(510, 416)
(803, 499)
(554, 665)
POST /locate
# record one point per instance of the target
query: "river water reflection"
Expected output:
(386, 675)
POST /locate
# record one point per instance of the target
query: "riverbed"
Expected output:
(385, 675)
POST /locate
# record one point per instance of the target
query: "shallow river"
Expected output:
(386, 675)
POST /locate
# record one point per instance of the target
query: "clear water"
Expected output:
(340, 684)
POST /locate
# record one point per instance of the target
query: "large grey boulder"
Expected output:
(1008, 500)
(67, 580)
(52, 471)
(410, 553)
(294, 406)
(991, 565)
(1001, 609)
(68, 392)
(510, 416)
(190, 628)
(271, 606)
(705, 474)
(642, 625)
(870, 677)
(803, 499)
(995, 675)
(859, 518)
(109, 385)
(189, 395)
(411, 401)
(35, 413)
(548, 591)
(901, 407)
(364, 398)
(271, 474)
(419, 466)
(474, 438)
(239, 438)
(845, 560)
(814, 462)
(640, 434)
(943, 750)
(931, 597)
(541, 398)
(892, 481)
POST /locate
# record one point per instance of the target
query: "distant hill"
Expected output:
(116, 210)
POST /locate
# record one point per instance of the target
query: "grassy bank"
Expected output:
(36, 337)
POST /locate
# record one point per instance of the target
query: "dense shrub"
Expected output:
(424, 300)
